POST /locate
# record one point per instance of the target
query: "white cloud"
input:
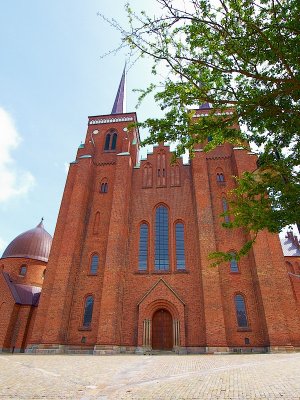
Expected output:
(13, 181)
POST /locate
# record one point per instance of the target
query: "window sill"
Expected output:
(92, 274)
(235, 273)
(160, 272)
(245, 329)
(85, 328)
(181, 271)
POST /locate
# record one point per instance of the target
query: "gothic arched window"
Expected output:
(161, 238)
(114, 141)
(225, 210)
(233, 263)
(88, 311)
(180, 257)
(241, 313)
(107, 142)
(94, 264)
(143, 248)
(104, 186)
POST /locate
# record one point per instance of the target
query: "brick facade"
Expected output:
(105, 220)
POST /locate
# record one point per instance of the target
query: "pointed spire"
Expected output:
(119, 104)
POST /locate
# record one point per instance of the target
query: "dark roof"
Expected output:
(23, 294)
(35, 244)
(290, 245)
(118, 107)
(204, 106)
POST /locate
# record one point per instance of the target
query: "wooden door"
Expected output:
(162, 330)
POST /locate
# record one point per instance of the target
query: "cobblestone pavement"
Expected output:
(158, 377)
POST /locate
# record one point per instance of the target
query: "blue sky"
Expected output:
(52, 77)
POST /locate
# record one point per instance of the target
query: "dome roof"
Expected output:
(35, 243)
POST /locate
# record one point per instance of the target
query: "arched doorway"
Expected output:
(162, 330)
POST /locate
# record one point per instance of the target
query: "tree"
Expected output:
(242, 54)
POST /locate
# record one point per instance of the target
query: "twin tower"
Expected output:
(128, 269)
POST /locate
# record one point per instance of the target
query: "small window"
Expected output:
(107, 142)
(241, 313)
(220, 177)
(104, 187)
(247, 340)
(233, 263)
(114, 141)
(180, 257)
(143, 248)
(88, 311)
(83, 339)
(94, 264)
(23, 270)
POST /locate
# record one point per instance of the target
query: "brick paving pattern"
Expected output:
(157, 377)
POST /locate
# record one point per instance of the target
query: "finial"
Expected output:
(119, 106)
(41, 225)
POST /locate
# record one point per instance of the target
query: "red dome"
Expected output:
(35, 243)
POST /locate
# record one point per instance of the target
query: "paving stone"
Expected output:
(203, 377)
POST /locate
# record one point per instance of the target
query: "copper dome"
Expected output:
(35, 243)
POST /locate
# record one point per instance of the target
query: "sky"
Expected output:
(52, 77)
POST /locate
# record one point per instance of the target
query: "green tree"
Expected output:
(242, 54)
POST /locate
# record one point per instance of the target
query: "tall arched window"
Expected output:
(179, 233)
(241, 313)
(114, 141)
(107, 142)
(94, 264)
(143, 248)
(88, 311)
(161, 238)
(233, 263)
(225, 209)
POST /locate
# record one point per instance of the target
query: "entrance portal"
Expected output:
(162, 330)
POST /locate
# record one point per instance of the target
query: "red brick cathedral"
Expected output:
(128, 269)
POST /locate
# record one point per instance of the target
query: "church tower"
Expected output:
(93, 218)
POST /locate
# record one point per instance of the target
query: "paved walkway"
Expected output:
(238, 377)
